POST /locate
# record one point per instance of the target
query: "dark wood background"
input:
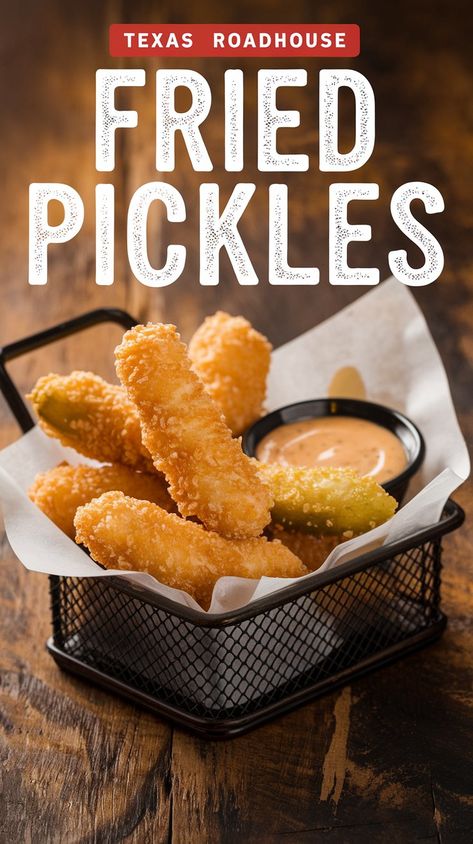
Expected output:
(389, 758)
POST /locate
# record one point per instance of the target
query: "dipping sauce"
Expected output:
(344, 441)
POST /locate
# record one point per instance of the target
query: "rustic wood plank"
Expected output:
(390, 758)
(387, 757)
(77, 764)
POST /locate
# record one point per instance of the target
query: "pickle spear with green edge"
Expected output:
(326, 501)
(95, 418)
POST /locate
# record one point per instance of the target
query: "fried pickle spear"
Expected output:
(311, 550)
(183, 429)
(124, 533)
(84, 412)
(60, 491)
(232, 359)
(326, 500)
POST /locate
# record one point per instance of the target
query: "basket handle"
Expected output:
(8, 387)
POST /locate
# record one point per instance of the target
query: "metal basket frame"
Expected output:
(222, 674)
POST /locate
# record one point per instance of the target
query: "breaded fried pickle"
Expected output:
(326, 500)
(60, 491)
(83, 411)
(311, 550)
(232, 359)
(124, 533)
(184, 431)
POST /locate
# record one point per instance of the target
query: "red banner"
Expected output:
(214, 39)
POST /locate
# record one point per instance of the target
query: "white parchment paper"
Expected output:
(385, 336)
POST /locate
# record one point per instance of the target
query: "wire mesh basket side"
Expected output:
(228, 671)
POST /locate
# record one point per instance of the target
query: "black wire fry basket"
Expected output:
(220, 675)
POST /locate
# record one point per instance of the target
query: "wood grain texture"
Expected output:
(388, 758)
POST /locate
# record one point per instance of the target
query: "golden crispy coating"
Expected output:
(232, 359)
(60, 491)
(184, 431)
(326, 500)
(311, 550)
(124, 533)
(83, 411)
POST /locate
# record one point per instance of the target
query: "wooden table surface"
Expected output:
(389, 758)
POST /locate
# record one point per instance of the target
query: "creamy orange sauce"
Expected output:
(367, 448)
